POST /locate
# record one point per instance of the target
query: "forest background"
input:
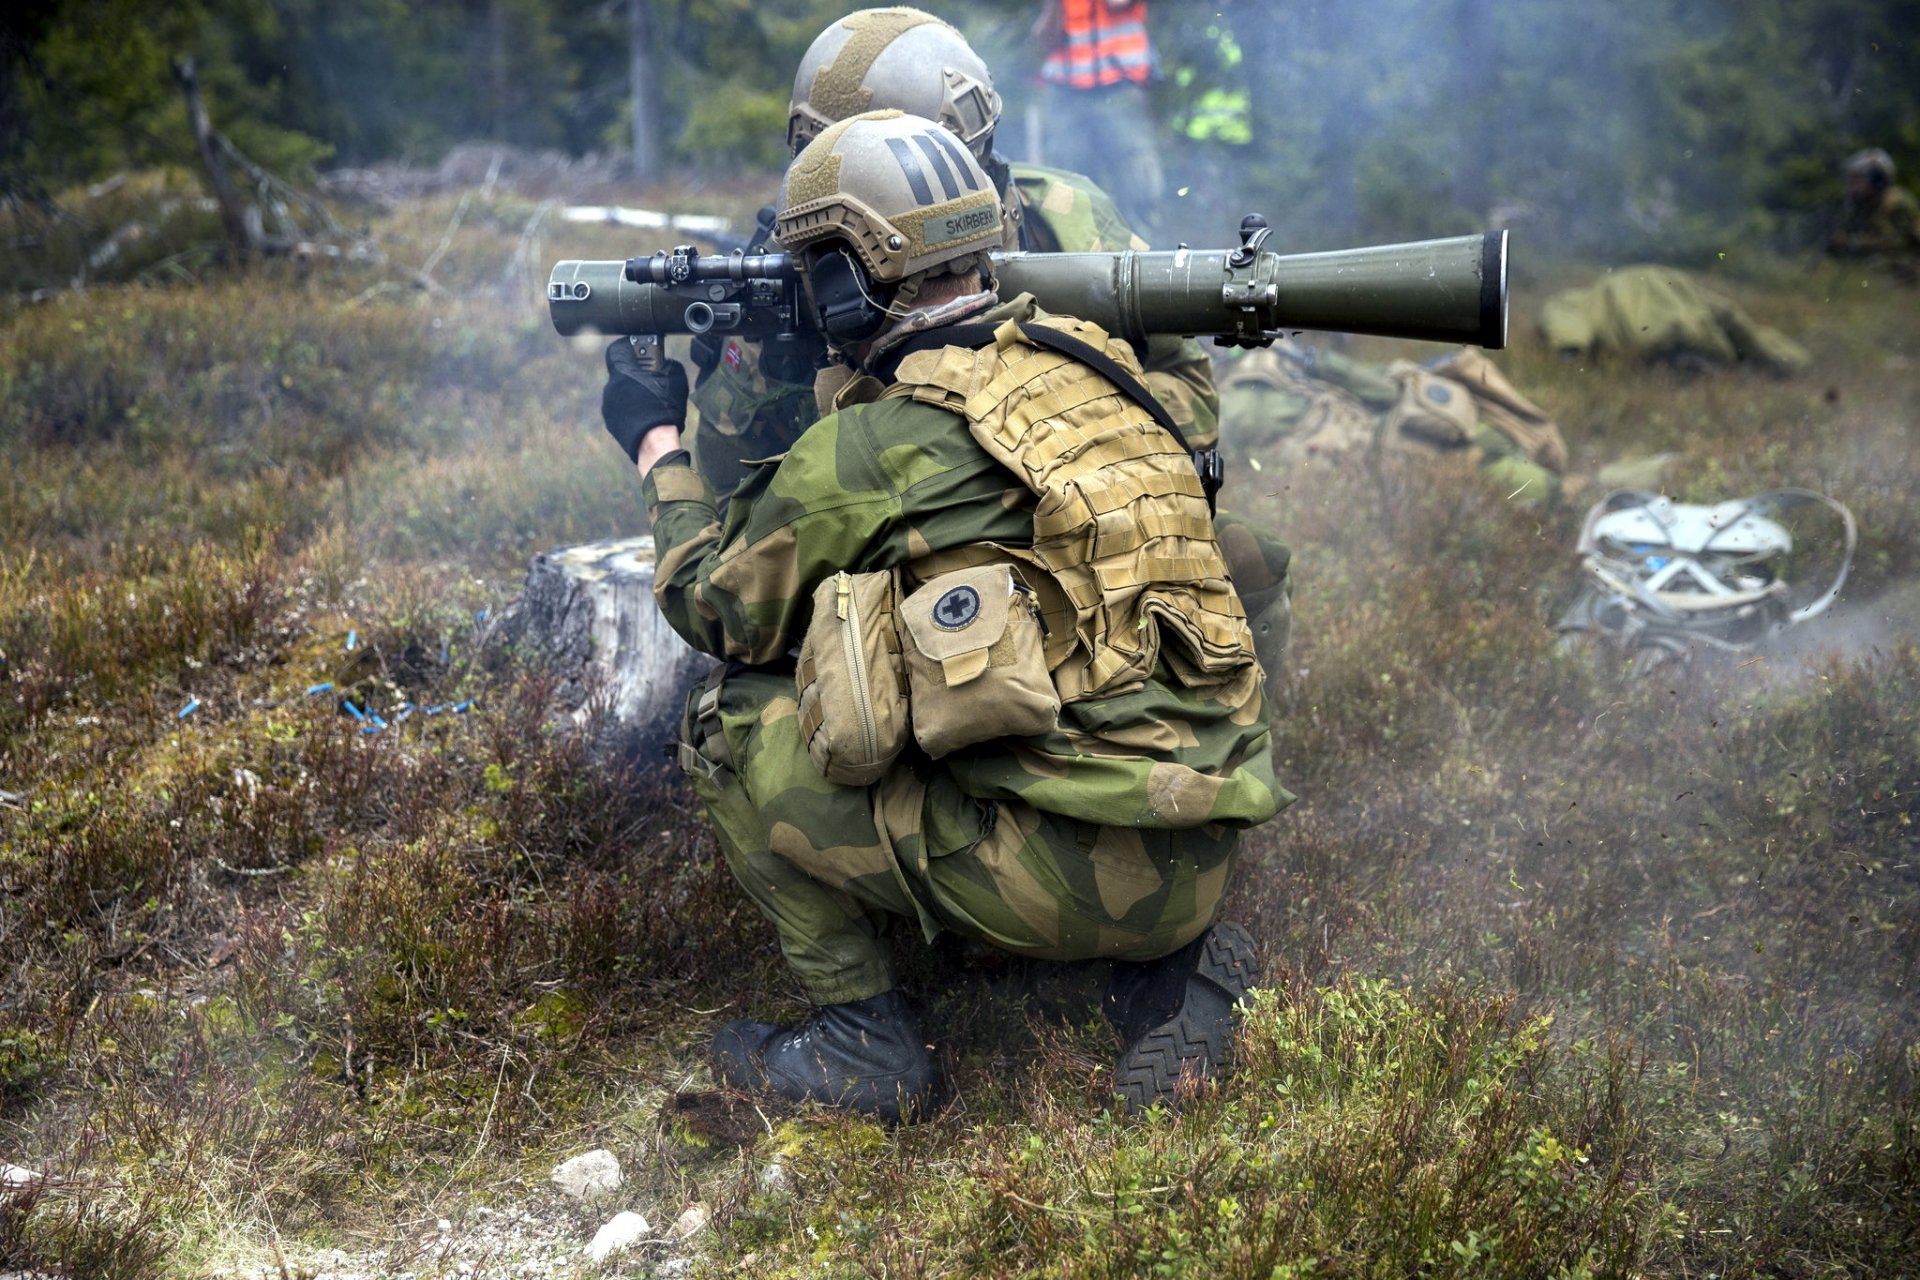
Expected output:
(1663, 129)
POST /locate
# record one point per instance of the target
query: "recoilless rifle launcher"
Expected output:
(1452, 291)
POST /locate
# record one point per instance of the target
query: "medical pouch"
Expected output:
(976, 660)
(853, 692)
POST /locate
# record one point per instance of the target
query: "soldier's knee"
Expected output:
(1270, 616)
(1256, 557)
(1261, 567)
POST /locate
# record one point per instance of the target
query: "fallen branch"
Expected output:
(230, 869)
(520, 272)
(245, 222)
(233, 212)
(279, 193)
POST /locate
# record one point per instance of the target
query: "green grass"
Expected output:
(1369, 1131)
(1572, 972)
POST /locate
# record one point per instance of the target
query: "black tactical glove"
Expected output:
(638, 399)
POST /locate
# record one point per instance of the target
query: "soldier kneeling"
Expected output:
(1025, 707)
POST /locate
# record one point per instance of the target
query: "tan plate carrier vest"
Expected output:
(1132, 573)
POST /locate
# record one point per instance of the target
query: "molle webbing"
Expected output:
(1206, 462)
(1121, 527)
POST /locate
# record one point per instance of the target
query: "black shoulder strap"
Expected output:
(1035, 235)
(1206, 461)
(1106, 366)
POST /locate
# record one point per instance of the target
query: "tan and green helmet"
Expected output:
(1868, 162)
(893, 60)
(897, 190)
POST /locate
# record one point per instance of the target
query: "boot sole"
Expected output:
(1198, 1040)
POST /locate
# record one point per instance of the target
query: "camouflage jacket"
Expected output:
(1891, 226)
(891, 482)
(748, 408)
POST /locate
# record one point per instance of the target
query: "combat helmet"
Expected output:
(899, 60)
(876, 205)
(1870, 163)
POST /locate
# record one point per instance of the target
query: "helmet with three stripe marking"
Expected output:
(895, 59)
(877, 204)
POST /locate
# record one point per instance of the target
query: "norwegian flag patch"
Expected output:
(732, 355)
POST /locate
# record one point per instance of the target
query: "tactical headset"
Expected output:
(848, 304)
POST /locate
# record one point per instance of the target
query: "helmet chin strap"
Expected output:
(903, 297)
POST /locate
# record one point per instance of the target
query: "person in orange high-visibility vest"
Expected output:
(1096, 117)
(1100, 44)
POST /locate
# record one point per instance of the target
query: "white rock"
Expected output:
(692, 1220)
(773, 1177)
(444, 1225)
(674, 1267)
(592, 1174)
(624, 1230)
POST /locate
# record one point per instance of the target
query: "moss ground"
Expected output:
(1573, 971)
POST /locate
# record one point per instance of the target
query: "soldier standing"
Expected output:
(936, 528)
(1097, 118)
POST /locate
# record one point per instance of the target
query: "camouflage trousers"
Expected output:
(828, 864)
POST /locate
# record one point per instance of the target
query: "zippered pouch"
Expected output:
(976, 660)
(853, 690)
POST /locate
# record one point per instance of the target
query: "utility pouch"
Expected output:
(976, 660)
(1431, 409)
(853, 692)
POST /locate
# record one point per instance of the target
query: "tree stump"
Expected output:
(587, 612)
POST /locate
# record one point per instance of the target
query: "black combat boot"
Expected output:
(1177, 1014)
(866, 1055)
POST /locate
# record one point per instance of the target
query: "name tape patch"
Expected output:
(959, 226)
